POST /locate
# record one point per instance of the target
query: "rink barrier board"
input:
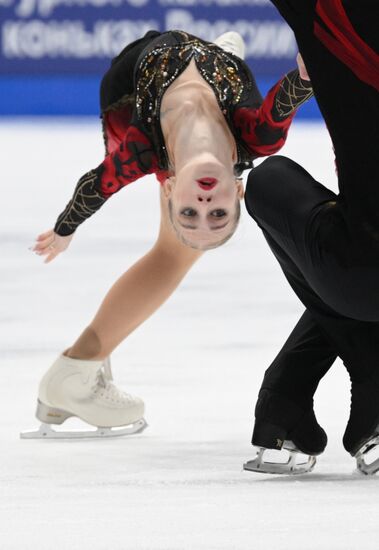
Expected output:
(79, 96)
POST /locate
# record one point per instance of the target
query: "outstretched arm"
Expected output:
(264, 128)
(132, 159)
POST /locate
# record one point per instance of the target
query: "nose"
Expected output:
(204, 199)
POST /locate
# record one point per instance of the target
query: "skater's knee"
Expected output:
(265, 181)
(88, 346)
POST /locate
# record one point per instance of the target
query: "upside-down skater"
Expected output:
(189, 111)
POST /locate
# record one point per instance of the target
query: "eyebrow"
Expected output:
(195, 226)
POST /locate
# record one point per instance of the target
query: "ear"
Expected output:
(240, 188)
(168, 186)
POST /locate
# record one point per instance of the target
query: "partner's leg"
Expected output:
(284, 409)
(291, 230)
(291, 208)
(301, 363)
(137, 293)
(356, 342)
(285, 406)
(294, 230)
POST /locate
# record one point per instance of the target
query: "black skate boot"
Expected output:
(282, 424)
(362, 431)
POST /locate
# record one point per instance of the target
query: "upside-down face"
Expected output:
(204, 202)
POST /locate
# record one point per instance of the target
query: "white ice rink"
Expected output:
(198, 363)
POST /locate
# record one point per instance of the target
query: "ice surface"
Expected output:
(198, 363)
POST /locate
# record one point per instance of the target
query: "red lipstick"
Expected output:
(206, 183)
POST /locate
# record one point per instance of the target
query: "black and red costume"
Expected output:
(326, 244)
(131, 95)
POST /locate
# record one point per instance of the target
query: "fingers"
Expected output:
(42, 244)
(50, 244)
(302, 68)
(44, 251)
(47, 250)
(51, 257)
(45, 235)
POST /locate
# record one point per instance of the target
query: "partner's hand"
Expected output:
(50, 244)
(302, 68)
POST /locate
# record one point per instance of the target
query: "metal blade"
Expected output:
(365, 468)
(259, 465)
(45, 431)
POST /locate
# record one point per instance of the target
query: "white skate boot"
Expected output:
(84, 389)
(231, 42)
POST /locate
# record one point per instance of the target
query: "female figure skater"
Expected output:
(327, 245)
(189, 111)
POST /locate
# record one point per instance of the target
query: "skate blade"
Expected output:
(291, 467)
(46, 431)
(363, 466)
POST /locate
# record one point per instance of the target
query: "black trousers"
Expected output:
(326, 244)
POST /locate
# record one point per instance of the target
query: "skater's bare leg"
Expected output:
(137, 293)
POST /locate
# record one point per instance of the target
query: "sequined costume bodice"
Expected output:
(190, 102)
(166, 59)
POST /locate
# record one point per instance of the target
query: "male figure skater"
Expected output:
(327, 245)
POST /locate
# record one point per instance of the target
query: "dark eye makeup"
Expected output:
(219, 213)
(188, 212)
(191, 213)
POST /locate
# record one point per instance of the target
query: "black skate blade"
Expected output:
(365, 465)
(289, 467)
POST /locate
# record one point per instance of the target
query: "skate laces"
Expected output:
(106, 388)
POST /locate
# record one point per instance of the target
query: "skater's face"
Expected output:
(204, 202)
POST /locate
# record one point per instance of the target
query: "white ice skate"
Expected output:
(84, 389)
(232, 42)
(292, 466)
(370, 448)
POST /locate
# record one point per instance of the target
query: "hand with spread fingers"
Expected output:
(50, 244)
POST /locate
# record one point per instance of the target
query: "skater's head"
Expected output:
(204, 201)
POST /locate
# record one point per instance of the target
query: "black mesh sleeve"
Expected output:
(292, 93)
(85, 201)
